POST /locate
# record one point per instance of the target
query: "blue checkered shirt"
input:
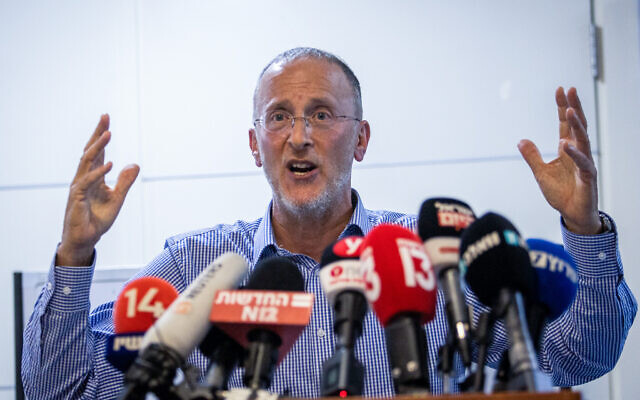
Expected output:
(65, 344)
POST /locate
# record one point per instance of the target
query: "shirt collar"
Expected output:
(264, 241)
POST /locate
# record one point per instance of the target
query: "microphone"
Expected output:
(440, 224)
(141, 302)
(557, 284)
(498, 270)
(401, 286)
(175, 334)
(224, 353)
(556, 289)
(342, 281)
(268, 315)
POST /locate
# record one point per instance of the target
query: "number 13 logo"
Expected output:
(369, 274)
(416, 265)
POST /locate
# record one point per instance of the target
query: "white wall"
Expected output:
(449, 89)
(619, 106)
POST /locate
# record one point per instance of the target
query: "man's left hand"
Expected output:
(569, 182)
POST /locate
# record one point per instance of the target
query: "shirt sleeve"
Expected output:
(64, 348)
(587, 340)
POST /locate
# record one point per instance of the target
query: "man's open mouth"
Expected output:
(301, 167)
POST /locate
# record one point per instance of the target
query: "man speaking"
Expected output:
(308, 129)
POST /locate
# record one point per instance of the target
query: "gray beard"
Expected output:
(318, 208)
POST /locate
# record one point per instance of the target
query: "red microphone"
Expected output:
(266, 317)
(401, 287)
(138, 306)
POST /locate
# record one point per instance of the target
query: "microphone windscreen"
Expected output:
(398, 275)
(440, 224)
(346, 248)
(557, 276)
(138, 306)
(340, 268)
(214, 339)
(272, 301)
(276, 273)
(495, 257)
(443, 217)
(141, 303)
(183, 326)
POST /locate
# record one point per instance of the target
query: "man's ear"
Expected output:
(364, 132)
(253, 145)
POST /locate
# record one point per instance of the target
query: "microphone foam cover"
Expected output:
(215, 338)
(276, 273)
(141, 303)
(340, 268)
(443, 216)
(495, 257)
(440, 224)
(557, 276)
(398, 275)
(348, 247)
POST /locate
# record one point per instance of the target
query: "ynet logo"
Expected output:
(348, 247)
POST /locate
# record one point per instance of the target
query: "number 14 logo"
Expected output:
(145, 303)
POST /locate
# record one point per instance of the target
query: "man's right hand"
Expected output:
(92, 205)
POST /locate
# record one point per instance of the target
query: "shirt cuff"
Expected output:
(69, 287)
(595, 255)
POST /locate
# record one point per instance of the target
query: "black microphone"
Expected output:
(498, 270)
(272, 274)
(440, 223)
(342, 281)
(224, 354)
(557, 286)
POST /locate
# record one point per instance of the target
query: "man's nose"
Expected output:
(300, 136)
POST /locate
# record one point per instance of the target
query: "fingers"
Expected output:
(93, 154)
(94, 176)
(563, 103)
(103, 125)
(126, 178)
(574, 102)
(579, 132)
(531, 155)
(584, 163)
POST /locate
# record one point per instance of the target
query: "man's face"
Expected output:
(309, 170)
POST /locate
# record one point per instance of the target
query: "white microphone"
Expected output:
(186, 321)
(180, 328)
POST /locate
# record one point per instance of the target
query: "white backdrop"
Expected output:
(448, 87)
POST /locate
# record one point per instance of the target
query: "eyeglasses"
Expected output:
(281, 121)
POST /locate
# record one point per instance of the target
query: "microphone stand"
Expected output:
(521, 374)
(445, 363)
(475, 381)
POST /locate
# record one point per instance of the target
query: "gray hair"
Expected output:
(310, 52)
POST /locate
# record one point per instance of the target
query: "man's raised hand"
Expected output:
(92, 206)
(569, 182)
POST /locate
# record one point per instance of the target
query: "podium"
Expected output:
(562, 395)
